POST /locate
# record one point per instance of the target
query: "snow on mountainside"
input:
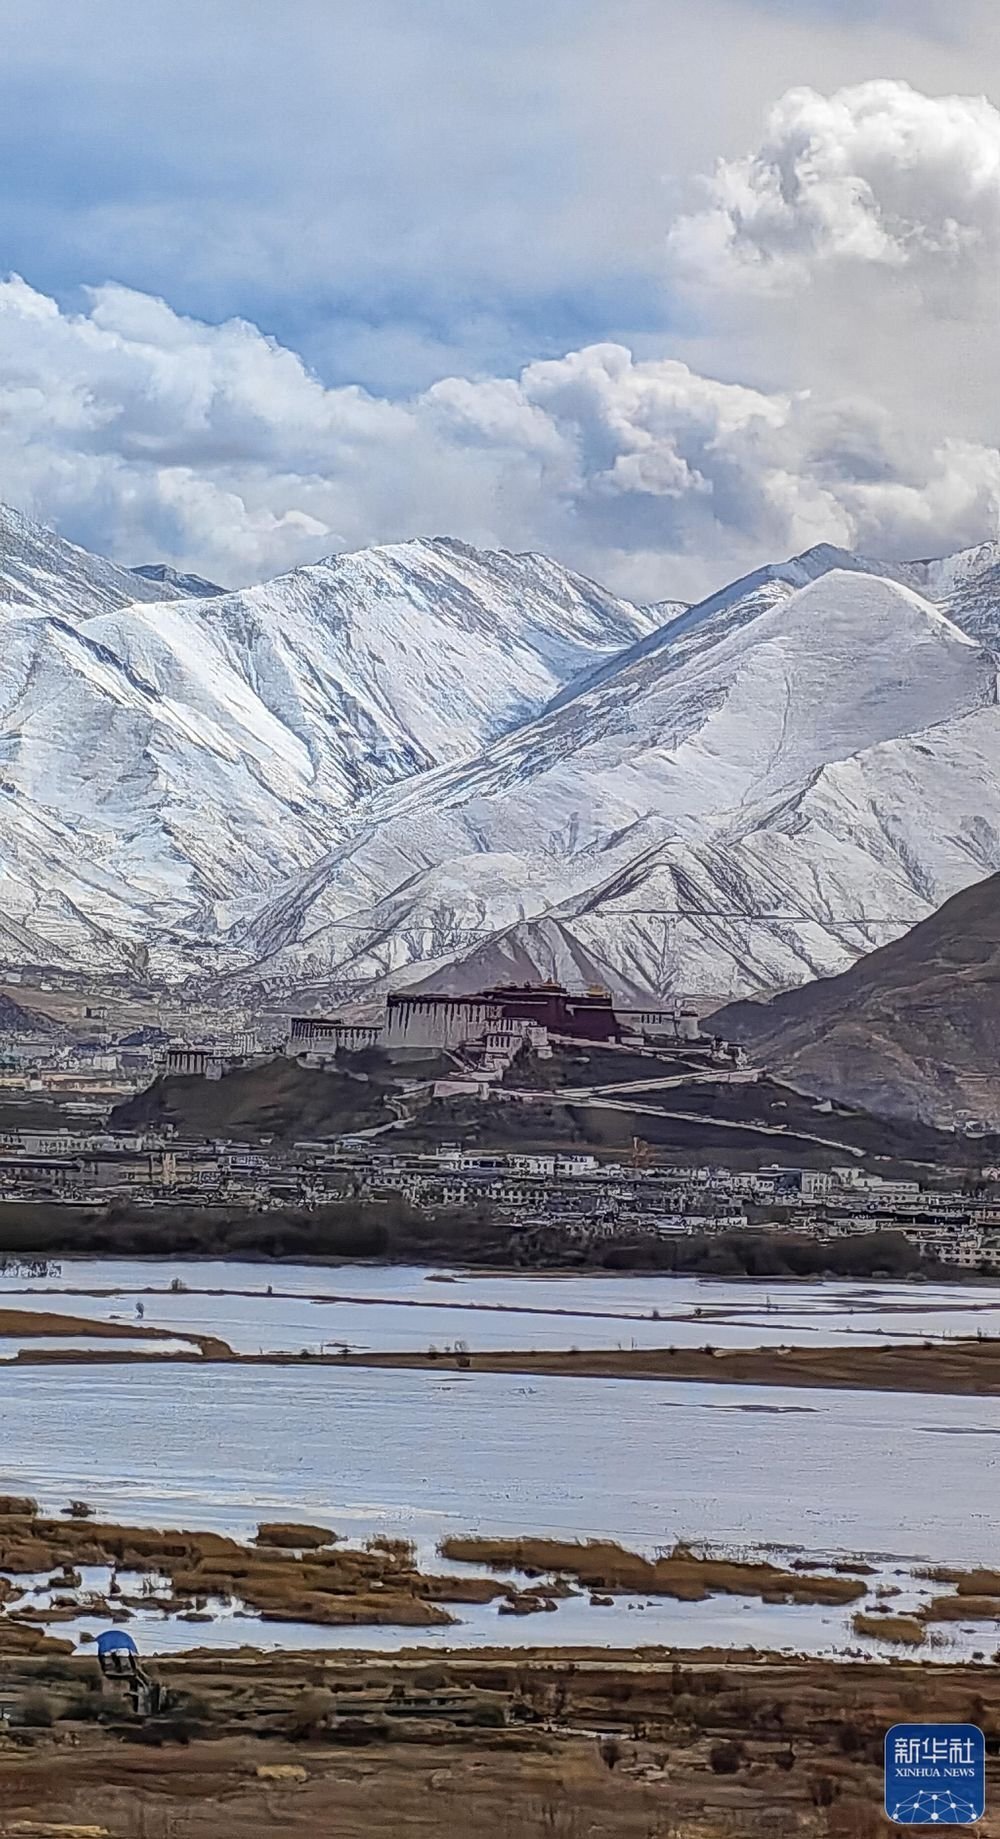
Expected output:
(909, 1030)
(162, 761)
(428, 762)
(687, 630)
(863, 853)
(671, 784)
(194, 586)
(430, 649)
(662, 613)
(40, 572)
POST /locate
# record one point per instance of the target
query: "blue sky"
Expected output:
(402, 195)
(392, 189)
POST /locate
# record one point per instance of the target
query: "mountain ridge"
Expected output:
(165, 760)
(667, 763)
(194, 586)
(910, 1029)
(423, 760)
(41, 572)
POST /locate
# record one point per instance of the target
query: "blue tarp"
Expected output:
(116, 1638)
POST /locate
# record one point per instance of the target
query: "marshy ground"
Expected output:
(592, 1745)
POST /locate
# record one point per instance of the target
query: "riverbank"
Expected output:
(959, 1367)
(439, 1745)
(392, 1232)
(28, 1324)
(962, 1367)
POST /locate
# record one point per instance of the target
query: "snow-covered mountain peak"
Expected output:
(644, 791)
(503, 594)
(825, 669)
(167, 757)
(425, 753)
(944, 575)
(161, 575)
(41, 572)
(429, 647)
(852, 604)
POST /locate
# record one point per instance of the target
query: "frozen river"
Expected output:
(314, 1307)
(910, 1479)
(906, 1478)
(427, 1454)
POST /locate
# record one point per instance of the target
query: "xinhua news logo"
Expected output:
(935, 1774)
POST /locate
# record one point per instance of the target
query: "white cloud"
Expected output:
(874, 174)
(149, 434)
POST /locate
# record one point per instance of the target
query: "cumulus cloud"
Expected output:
(876, 174)
(149, 434)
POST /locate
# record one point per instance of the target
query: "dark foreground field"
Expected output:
(594, 1746)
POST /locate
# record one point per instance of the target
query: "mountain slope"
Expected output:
(41, 572)
(439, 647)
(964, 586)
(164, 760)
(425, 761)
(661, 789)
(162, 575)
(910, 1030)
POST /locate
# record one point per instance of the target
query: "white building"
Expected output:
(878, 1187)
(438, 1021)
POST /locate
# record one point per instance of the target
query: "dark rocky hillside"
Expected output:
(912, 1030)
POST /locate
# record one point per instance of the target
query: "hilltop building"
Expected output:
(324, 1035)
(492, 1026)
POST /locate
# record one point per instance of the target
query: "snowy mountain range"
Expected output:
(440, 765)
(195, 586)
(165, 760)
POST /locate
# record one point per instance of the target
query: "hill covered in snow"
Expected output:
(167, 758)
(794, 782)
(42, 573)
(440, 765)
(160, 574)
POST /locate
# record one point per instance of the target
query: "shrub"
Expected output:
(178, 1728)
(193, 1707)
(84, 1708)
(850, 1738)
(488, 1716)
(309, 1713)
(35, 1711)
(402, 1549)
(54, 1667)
(725, 1758)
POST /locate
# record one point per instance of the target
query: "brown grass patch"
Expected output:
(461, 1589)
(902, 1631)
(960, 1366)
(962, 1609)
(28, 1324)
(601, 1565)
(20, 1638)
(968, 1583)
(300, 1582)
(294, 1538)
